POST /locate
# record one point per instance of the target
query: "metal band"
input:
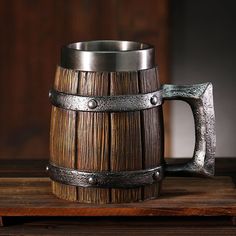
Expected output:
(106, 103)
(108, 55)
(105, 179)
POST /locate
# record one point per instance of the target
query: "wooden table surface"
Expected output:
(180, 197)
(187, 206)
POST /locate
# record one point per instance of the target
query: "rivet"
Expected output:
(154, 100)
(156, 175)
(92, 104)
(91, 180)
(49, 94)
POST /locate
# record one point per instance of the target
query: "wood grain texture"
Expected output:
(126, 145)
(125, 226)
(152, 130)
(115, 141)
(33, 32)
(180, 197)
(62, 135)
(50, 229)
(93, 136)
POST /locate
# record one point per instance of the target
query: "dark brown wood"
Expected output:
(160, 221)
(140, 226)
(63, 132)
(117, 141)
(23, 168)
(151, 28)
(152, 130)
(126, 143)
(33, 32)
(93, 136)
(180, 197)
(214, 225)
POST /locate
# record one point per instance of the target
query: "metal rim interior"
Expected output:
(108, 55)
(108, 46)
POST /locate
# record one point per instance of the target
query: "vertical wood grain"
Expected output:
(126, 150)
(93, 136)
(100, 141)
(29, 57)
(62, 135)
(152, 130)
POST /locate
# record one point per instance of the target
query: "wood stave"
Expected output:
(94, 83)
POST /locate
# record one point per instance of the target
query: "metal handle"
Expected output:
(200, 99)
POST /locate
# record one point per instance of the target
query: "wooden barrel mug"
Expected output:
(106, 139)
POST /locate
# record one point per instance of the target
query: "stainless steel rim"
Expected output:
(108, 55)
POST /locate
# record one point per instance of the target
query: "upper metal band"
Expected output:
(105, 179)
(108, 55)
(106, 103)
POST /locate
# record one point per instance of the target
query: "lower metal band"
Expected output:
(106, 103)
(105, 179)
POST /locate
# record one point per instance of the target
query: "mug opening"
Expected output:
(108, 55)
(107, 46)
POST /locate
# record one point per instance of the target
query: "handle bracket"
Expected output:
(200, 99)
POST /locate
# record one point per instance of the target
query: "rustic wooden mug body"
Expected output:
(124, 141)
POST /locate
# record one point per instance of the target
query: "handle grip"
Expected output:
(200, 99)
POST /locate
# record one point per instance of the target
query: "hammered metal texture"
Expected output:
(200, 99)
(105, 179)
(105, 103)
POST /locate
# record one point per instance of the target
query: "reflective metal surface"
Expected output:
(105, 179)
(106, 103)
(200, 99)
(108, 55)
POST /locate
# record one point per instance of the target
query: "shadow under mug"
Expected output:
(106, 139)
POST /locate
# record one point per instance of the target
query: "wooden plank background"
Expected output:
(32, 33)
